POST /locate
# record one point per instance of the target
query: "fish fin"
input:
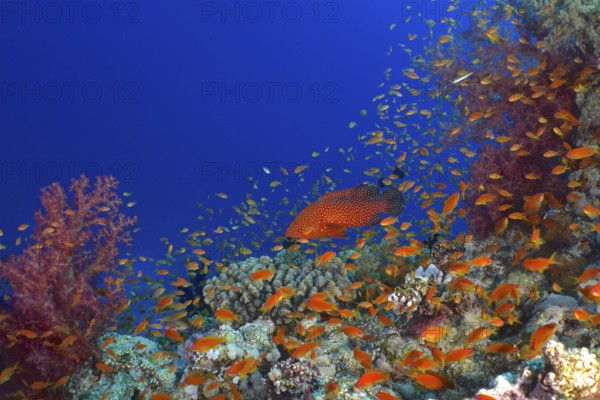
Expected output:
(393, 201)
(337, 194)
(336, 230)
(365, 191)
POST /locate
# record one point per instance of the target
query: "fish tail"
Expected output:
(393, 201)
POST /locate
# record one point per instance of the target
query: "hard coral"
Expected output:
(136, 357)
(250, 295)
(573, 373)
(290, 378)
(565, 374)
(67, 286)
(253, 339)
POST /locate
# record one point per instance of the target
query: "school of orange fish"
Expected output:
(426, 141)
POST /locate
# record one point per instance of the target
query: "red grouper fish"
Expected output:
(333, 212)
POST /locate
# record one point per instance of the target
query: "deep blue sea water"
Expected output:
(184, 99)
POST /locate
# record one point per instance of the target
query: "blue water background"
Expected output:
(164, 96)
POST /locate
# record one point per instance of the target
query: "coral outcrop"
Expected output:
(130, 365)
(290, 378)
(570, 374)
(250, 295)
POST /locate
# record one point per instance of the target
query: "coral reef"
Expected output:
(371, 259)
(250, 295)
(568, 25)
(565, 374)
(406, 298)
(252, 339)
(290, 378)
(495, 273)
(67, 286)
(133, 365)
(589, 103)
(573, 373)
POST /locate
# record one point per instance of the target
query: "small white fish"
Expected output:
(462, 78)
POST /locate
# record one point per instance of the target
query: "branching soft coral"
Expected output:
(518, 104)
(483, 219)
(67, 285)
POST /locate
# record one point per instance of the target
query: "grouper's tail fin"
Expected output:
(393, 201)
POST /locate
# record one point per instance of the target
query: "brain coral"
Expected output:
(250, 296)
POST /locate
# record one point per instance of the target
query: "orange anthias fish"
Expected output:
(434, 334)
(203, 345)
(501, 347)
(226, 315)
(319, 303)
(161, 396)
(450, 204)
(352, 331)
(539, 264)
(243, 368)
(370, 378)
(283, 292)
(333, 212)
(195, 378)
(479, 334)
(363, 358)
(7, 373)
(432, 380)
(542, 335)
(140, 327)
(458, 355)
(173, 334)
(263, 274)
(505, 290)
(306, 348)
(385, 396)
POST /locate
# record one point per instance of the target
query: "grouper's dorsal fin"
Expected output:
(362, 192)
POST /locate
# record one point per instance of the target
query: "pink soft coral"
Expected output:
(67, 285)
